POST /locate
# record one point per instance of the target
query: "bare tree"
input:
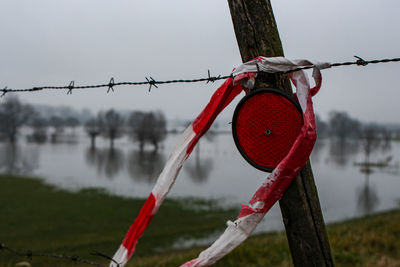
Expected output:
(147, 127)
(370, 142)
(386, 139)
(13, 114)
(58, 125)
(71, 122)
(342, 126)
(340, 151)
(39, 127)
(93, 129)
(156, 128)
(111, 125)
(137, 131)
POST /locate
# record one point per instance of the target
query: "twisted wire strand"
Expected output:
(153, 83)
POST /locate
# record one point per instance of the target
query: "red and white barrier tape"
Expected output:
(271, 190)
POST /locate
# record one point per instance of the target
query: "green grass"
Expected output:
(369, 241)
(38, 217)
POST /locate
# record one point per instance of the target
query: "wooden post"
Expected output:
(257, 35)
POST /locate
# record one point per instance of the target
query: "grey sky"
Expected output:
(47, 42)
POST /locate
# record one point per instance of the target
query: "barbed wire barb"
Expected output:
(212, 79)
(360, 61)
(70, 87)
(152, 82)
(4, 91)
(111, 85)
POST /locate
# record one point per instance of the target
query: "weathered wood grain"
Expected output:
(257, 35)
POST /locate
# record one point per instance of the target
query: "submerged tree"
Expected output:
(147, 127)
(370, 142)
(156, 128)
(39, 127)
(93, 129)
(71, 122)
(58, 127)
(57, 123)
(136, 130)
(13, 114)
(111, 125)
(342, 126)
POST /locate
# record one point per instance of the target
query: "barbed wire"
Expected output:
(151, 82)
(29, 254)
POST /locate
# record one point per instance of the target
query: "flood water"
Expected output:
(215, 170)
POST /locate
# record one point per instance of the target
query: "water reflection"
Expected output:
(344, 192)
(108, 162)
(145, 165)
(341, 150)
(14, 160)
(199, 170)
(367, 197)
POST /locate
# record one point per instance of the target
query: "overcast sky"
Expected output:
(47, 42)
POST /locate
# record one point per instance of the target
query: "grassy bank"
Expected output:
(370, 241)
(40, 218)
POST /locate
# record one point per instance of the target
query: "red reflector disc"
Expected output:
(265, 124)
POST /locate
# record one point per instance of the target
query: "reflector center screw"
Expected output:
(268, 132)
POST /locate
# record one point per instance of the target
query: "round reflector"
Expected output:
(265, 124)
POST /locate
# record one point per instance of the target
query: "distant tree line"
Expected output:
(348, 132)
(342, 126)
(14, 115)
(142, 127)
(150, 128)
